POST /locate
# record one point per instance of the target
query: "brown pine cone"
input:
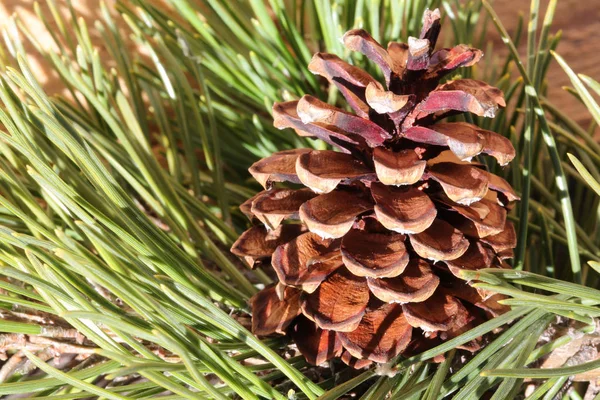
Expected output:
(367, 250)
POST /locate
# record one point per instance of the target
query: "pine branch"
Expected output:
(118, 205)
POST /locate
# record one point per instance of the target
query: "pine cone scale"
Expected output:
(317, 345)
(417, 283)
(375, 255)
(339, 303)
(398, 168)
(403, 210)
(382, 334)
(332, 215)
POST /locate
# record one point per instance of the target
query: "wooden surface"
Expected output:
(579, 20)
(580, 45)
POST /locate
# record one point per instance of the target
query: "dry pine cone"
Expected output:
(367, 251)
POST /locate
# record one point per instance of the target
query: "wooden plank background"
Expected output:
(579, 20)
(580, 45)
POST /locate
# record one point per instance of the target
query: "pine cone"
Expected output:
(367, 252)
